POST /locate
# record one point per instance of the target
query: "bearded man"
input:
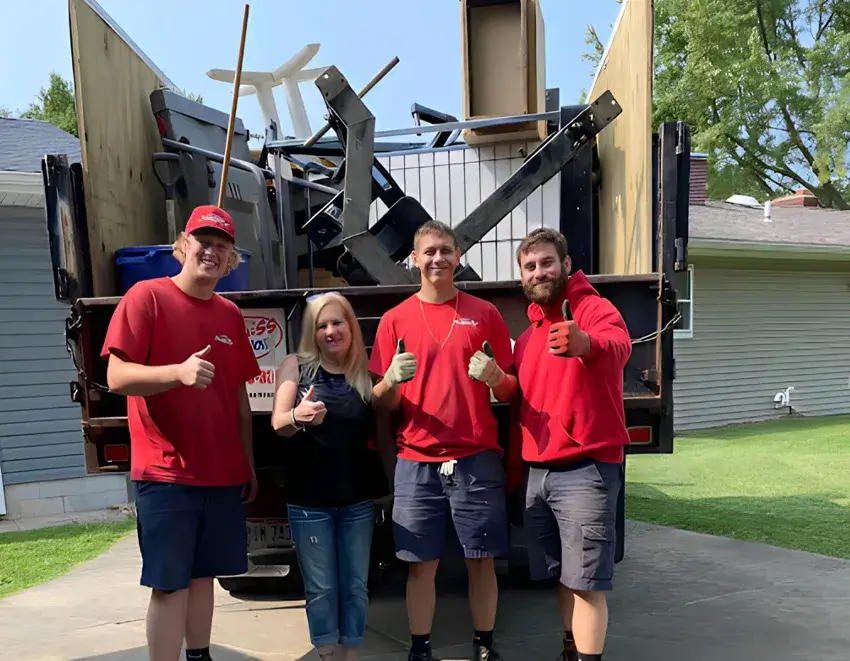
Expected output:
(570, 433)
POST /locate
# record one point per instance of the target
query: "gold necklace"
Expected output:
(428, 326)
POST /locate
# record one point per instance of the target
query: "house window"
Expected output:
(683, 283)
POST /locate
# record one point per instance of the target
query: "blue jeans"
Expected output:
(333, 546)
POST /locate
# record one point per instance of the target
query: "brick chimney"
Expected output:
(802, 197)
(699, 178)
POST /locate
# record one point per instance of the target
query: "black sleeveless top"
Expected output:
(331, 464)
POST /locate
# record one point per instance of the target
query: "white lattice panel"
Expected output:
(451, 182)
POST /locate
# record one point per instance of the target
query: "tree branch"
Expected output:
(767, 127)
(799, 51)
(760, 171)
(763, 32)
(749, 166)
(795, 137)
(797, 141)
(767, 166)
(823, 25)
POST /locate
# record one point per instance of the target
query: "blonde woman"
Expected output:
(323, 404)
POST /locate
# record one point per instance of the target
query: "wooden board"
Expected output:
(125, 204)
(495, 40)
(503, 67)
(625, 147)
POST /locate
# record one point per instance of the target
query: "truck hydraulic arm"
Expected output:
(349, 210)
(543, 164)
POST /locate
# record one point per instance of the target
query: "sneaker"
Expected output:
(481, 653)
(418, 656)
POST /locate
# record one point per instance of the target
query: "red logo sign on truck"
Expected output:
(264, 333)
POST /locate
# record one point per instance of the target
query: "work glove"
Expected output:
(403, 367)
(483, 367)
(566, 338)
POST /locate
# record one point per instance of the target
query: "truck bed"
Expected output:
(104, 414)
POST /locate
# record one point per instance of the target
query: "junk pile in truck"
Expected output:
(341, 210)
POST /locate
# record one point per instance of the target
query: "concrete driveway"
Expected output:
(678, 596)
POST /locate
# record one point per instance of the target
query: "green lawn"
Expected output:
(785, 483)
(35, 556)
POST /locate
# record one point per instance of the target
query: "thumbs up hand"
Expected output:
(195, 372)
(483, 367)
(566, 338)
(309, 411)
(402, 368)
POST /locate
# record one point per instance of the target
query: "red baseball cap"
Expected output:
(209, 216)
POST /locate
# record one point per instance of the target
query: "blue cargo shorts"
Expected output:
(188, 532)
(472, 497)
(570, 519)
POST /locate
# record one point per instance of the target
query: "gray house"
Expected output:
(42, 469)
(765, 308)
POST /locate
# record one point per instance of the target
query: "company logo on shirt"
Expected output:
(465, 321)
(224, 339)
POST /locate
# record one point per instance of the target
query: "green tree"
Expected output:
(192, 96)
(597, 50)
(56, 104)
(765, 88)
(591, 38)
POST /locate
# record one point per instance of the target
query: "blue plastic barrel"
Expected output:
(136, 263)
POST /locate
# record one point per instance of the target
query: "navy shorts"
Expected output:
(188, 532)
(570, 518)
(472, 497)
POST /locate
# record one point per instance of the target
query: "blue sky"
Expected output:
(185, 38)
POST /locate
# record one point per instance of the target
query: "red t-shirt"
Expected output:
(445, 413)
(184, 435)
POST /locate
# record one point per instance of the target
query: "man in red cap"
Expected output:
(181, 355)
(571, 432)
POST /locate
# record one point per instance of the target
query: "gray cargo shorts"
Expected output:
(570, 519)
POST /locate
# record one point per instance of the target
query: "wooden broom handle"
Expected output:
(231, 123)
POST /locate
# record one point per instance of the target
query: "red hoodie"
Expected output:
(571, 408)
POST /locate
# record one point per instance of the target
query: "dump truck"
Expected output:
(339, 213)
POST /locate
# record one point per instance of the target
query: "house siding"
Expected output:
(757, 332)
(40, 436)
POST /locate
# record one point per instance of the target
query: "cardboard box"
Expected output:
(504, 67)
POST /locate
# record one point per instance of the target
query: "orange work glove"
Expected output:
(566, 338)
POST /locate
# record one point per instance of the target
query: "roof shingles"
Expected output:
(721, 221)
(24, 142)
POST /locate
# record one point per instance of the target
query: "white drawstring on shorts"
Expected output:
(447, 468)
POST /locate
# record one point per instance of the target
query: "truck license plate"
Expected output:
(268, 534)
